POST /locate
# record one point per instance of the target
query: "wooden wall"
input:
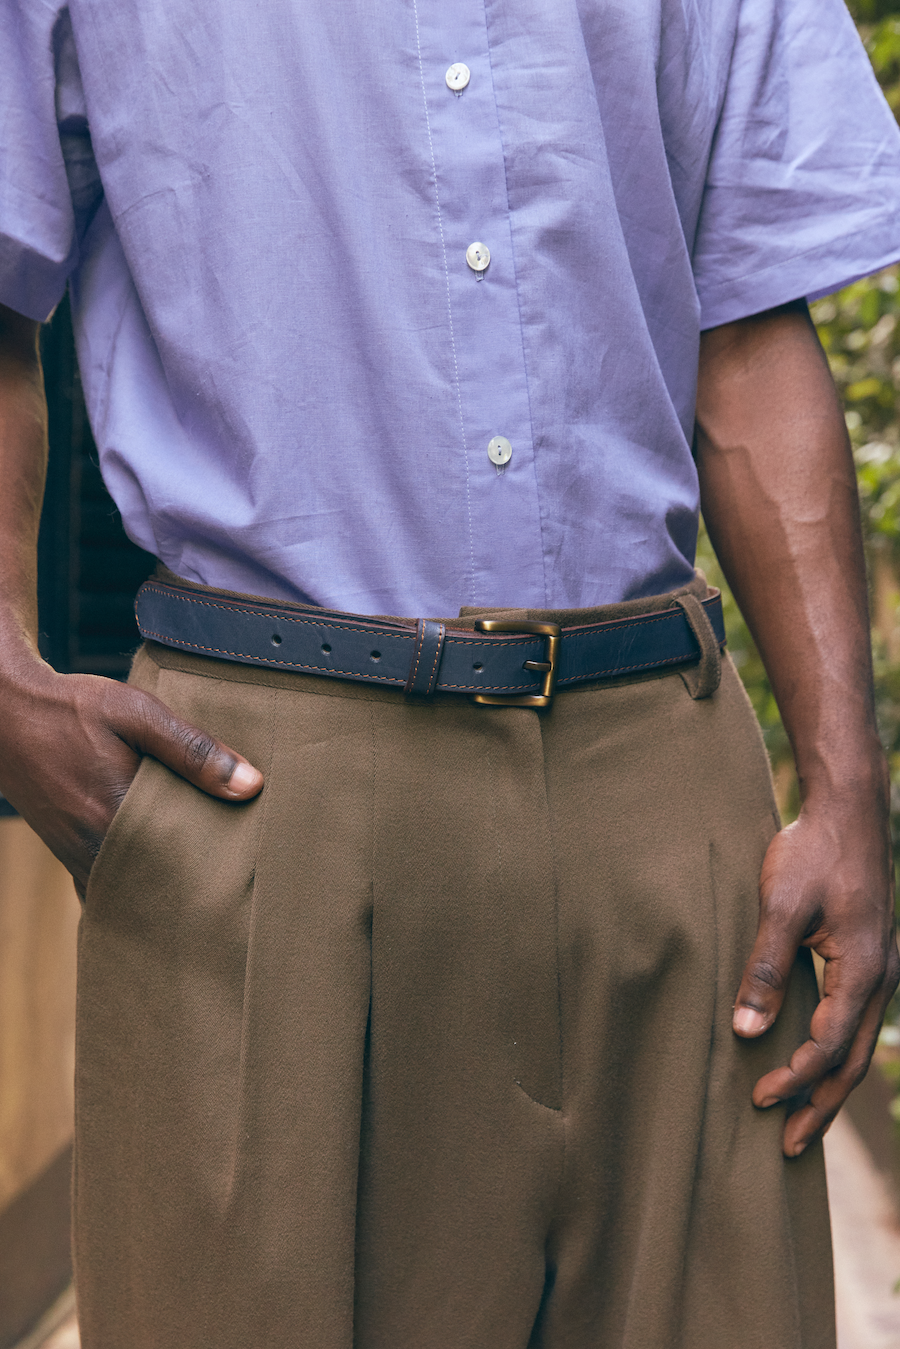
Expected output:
(38, 922)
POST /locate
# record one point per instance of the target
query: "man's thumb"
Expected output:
(192, 753)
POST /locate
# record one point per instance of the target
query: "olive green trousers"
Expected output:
(429, 1046)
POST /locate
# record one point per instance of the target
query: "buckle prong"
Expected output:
(548, 668)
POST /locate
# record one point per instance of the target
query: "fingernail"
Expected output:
(747, 1021)
(797, 1149)
(243, 778)
(768, 1102)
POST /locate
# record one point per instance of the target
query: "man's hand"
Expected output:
(70, 744)
(779, 497)
(825, 884)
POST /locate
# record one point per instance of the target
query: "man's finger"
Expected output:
(826, 1050)
(766, 974)
(814, 1117)
(192, 753)
(845, 1019)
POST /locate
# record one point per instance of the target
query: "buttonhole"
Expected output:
(478, 665)
(326, 648)
(276, 640)
(375, 655)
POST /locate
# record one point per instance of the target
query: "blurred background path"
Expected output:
(866, 1236)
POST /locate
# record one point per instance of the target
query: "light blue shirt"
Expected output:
(293, 374)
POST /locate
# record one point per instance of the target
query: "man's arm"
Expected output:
(779, 498)
(70, 744)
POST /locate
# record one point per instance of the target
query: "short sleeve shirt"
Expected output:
(360, 330)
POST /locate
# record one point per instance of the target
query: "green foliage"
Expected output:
(860, 330)
(747, 659)
(867, 12)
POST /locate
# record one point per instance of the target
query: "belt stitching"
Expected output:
(390, 679)
(570, 635)
(270, 660)
(301, 618)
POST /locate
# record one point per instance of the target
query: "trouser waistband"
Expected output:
(507, 660)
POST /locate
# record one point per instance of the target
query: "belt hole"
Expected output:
(276, 640)
(375, 655)
(326, 648)
(478, 665)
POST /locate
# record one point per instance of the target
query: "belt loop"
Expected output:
(426, 661)
(703, 680)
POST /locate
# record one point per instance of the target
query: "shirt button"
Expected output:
(458, 77)
(499, 451)
(478, 256)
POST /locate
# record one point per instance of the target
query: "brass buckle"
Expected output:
(546, 667)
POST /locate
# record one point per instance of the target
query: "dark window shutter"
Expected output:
(88, 568)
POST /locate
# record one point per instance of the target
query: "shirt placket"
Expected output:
(496, 444)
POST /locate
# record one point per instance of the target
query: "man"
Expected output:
(395, 309)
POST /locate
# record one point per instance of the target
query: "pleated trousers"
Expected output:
(429, 1046)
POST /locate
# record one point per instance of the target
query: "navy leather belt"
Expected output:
(507, 662)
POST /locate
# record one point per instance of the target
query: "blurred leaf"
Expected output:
(863, 388)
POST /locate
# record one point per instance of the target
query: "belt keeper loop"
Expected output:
(703, 680)
(426, 661)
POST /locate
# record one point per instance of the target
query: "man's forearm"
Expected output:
(780, 503)
(779, 497)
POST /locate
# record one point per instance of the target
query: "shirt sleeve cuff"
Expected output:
(821, 271)
(30, 283)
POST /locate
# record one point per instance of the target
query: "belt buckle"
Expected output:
(546, 667)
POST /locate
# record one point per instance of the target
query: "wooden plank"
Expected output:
(35, 1254)
(38, 922)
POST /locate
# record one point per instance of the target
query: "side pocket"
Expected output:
(116, 836)
(144, 675)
